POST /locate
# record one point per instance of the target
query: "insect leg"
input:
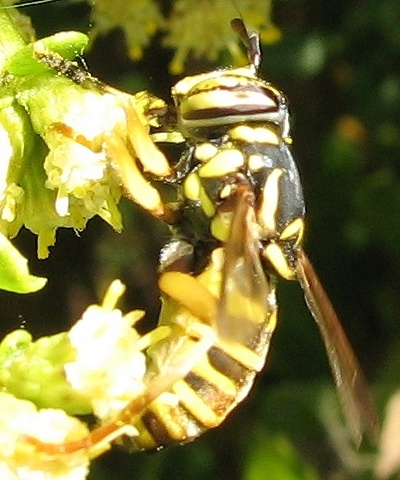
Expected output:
(127, 144)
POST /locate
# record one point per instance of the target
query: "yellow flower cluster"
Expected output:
(139, 20)
(197, 27)
(202, 28)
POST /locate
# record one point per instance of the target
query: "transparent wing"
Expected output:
(352, 388)
(247, 306)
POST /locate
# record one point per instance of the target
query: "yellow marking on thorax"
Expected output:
(255, 162)
(227, 191)
(194, 190)
(223, 163)
(270, 201)
(220, 225)
(295, 229)
(167, 137)
(192, 186)
(249, 134)
(274, 254)
(205, 151)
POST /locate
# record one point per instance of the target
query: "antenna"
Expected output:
(251, 40)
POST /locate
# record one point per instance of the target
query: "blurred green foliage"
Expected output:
(338, 62)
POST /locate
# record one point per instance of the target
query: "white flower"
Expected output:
(21, 459)
(108, 368)
(77, 166)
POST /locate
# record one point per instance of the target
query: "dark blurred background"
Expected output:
(339, 64)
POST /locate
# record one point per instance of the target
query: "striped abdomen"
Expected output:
(203, 399)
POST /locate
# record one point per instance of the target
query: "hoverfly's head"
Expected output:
(209, 104)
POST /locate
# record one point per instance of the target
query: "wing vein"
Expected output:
(353, 391)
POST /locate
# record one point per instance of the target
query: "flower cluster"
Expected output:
(139, 20)
(55, 135)
(97, 367)
(197, 27)
(71, 180)
(202, 28)
(67, 171)
(108, 368)
(20, 421)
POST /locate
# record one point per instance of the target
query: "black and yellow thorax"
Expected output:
(237, 130)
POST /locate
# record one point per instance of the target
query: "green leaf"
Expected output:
(67, 44)
(44, 383)
(275, 458)
(14, 272)
(10, 39)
